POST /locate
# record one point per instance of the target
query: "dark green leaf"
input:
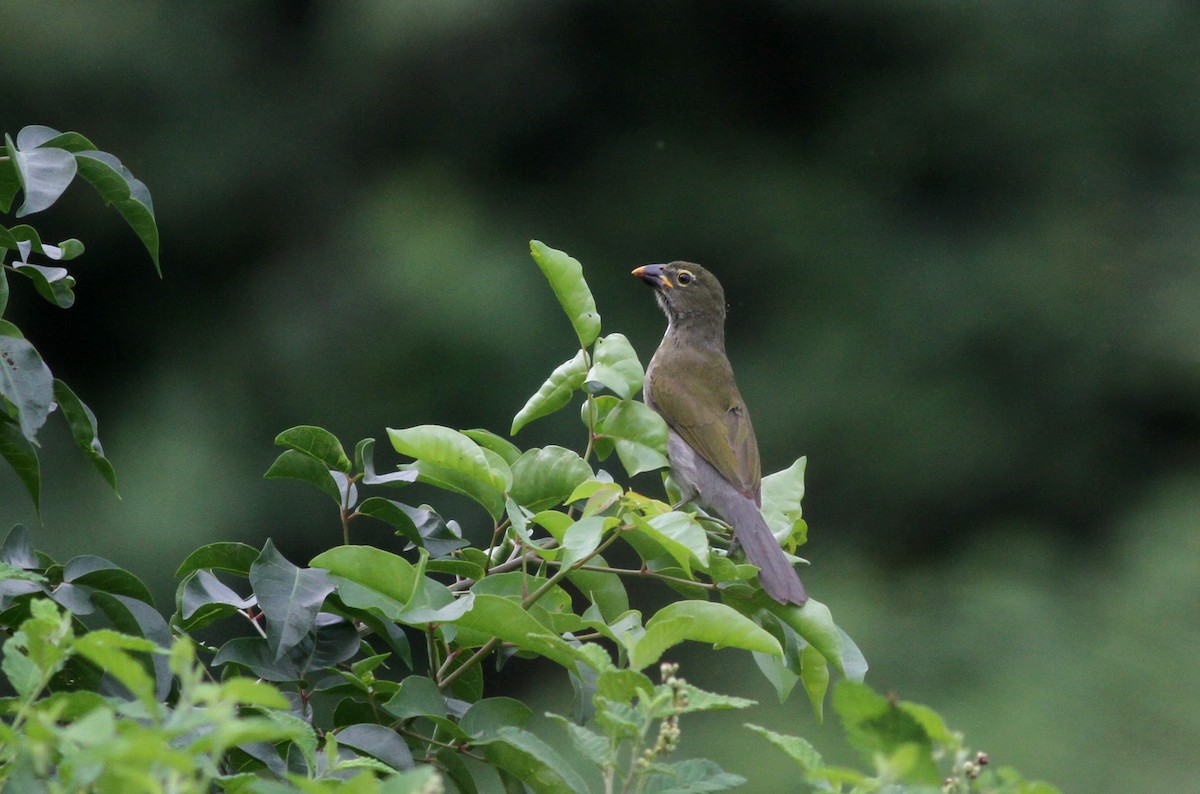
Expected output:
(293, 465)
(554, 393)
(317, 443)
(418, 696)
(9, 238)
(364, 453)
(693, 776)
(103, 575)
(52, 283)
(84, 430)
(533, 762)
(17, 550)
(3, 281)
(394, 513)
(25, 380)
(379, 742)
(615, 366)
(44, 174)
(10, 183)
(22, 456)
(136, 618)
(117, 186)
(223, 556)
(545, 477)
(290, 597)
(203, 598)
(565, 275)
(485, 719)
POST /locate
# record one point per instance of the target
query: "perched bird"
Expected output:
(710, 442)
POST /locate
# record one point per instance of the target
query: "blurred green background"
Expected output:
(959, 241)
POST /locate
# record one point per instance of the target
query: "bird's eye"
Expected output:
(685, 277)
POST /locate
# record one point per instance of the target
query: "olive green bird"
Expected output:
(710, 442)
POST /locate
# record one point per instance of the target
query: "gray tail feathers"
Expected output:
(776, 574)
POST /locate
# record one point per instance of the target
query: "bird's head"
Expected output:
(687, 292)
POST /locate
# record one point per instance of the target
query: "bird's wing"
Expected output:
(695, 393)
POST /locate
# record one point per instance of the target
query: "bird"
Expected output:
(711, 446)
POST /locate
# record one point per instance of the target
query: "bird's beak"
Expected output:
(654, 276)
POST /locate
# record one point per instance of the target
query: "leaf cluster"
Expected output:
(41, 163)
(364, 670)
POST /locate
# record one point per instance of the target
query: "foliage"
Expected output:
(364, 671)
(42, 163)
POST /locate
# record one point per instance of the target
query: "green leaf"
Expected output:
(880, 729)
(545, 477)
(110, 651)
(17, 549)
(498, 444)
(638, 434)
(293, 465)
(84, 430)
(814, 673)
(364, 455)
(103, 575)
(565, 275)
(203, 598)
(814, 623)
(554, 393)
(9, 238)
(693, 776)
(418, 696)
(22, 456)
(223, 556)
(3, 279)
(582, 538)
(378, 742)
(375, 569)
(679, 534)
(118, 187)
(588, 743)
(393, 513)
(615, 366)
(10, 183)
(450, 449)
(781, 496)
(25, 380)
(487, 718)
(796, 748)
(497, 616)
(290, 597)
(317, 443)
(52, 283)
(605, 590)
(533, 762)
(43, 173)
(479, 491)
(701, 621)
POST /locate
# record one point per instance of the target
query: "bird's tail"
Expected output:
(776, 574)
